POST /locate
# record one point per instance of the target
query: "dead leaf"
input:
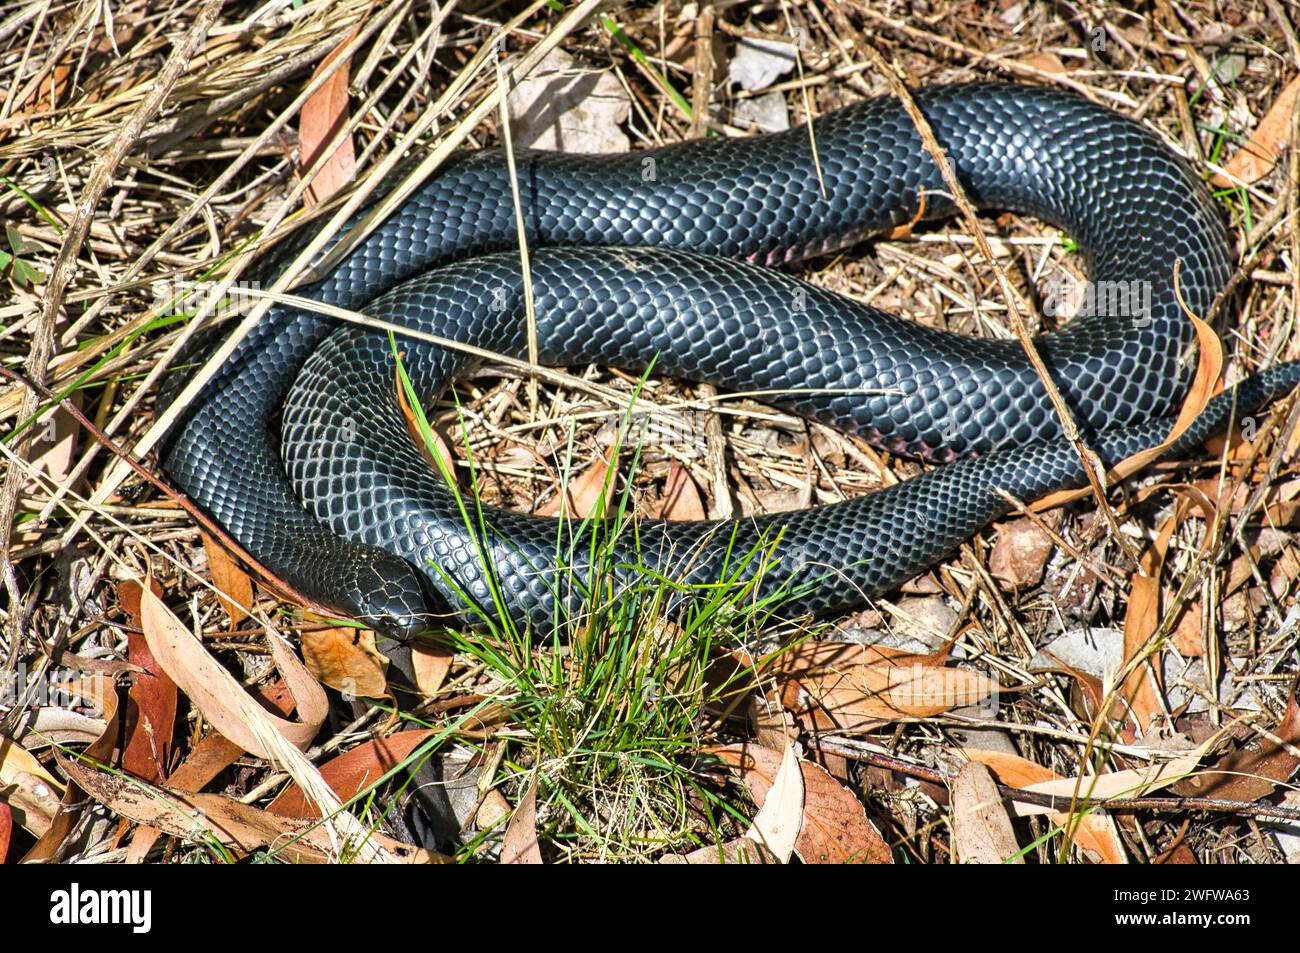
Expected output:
(1256, 158)
(584, 494)
(438, 457)
(54, 446)
(770, 722)
(681, 496)
(431, 663)
(31, 792)
(98, 693)
(220, 698)
(982, 832)
(236, 826)
(345, 659)
(1251, 774)
(6, 830)
(234, 588)
(1141, 620)
(212, 755)
(780, 817)
(519, 844)
(1046, 61)
(492, 811)
(563, 106)
(1020, 553)
(323, 116)
(353, 771)
(834, 827)
(1180, 853)
(864, 687)
(1093, 831)
(150, 714)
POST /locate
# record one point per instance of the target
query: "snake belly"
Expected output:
(441, 263)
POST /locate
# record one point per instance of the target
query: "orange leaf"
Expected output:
(322, 117)
(350, 773)
(1094, 831)
(150, 714)
(438, 457)
(234, 588)
(6, 830)
(345, 659)
(1141, 619)
(681, 497)
(1209, 369)
(584, 494)
(1257, 157)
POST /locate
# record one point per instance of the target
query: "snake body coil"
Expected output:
(443, 264)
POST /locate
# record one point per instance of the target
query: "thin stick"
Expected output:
(101, 175)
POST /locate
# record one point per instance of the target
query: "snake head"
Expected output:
(385, 594)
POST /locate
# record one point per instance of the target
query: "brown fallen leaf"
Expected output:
(1094, 830)
(769, 721)
(209, 757)
(234, 825)
(1259, 155)
(519, 844)
(353, 771)
(431, 663)
(681, 496)
(1253, 773)
(345, 659)
(492, 811)
(234, 588)
(99, 693)
(1180, 853)
(864, 687)
(1141, 620)
(30, 793)
(1046, 61)
(221, 699)
(53, 447)
(6, 830)
(323, 116)
(128, 595)
(150, 714)
(582, 496)
(982, 832)
(1020, 553)
(835, 828)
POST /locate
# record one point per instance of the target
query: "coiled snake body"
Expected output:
(377, 520)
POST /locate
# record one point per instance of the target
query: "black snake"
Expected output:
(694, 222)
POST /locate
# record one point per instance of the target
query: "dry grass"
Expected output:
(218, 160)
